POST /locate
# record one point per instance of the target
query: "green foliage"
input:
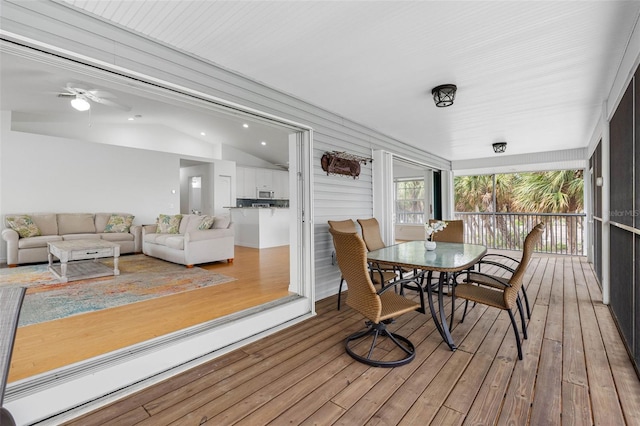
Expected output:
(541, 192)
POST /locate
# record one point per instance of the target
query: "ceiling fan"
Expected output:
(80, 98)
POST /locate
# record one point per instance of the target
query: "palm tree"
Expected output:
(543, 192)
(552, 192)
(475, 194)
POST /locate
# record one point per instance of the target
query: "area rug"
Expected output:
(141, 278)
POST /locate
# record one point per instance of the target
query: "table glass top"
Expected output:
(446, 256)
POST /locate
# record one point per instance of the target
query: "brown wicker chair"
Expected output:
(496, 281)
(377, 276)
(373, 239)
(453, 233)
(501, 294)
(379, 307)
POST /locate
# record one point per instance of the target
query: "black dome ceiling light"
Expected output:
(499, 147)
(444, 95)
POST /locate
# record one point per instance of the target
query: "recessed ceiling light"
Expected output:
(130, 118)
(263, 143)
(203, 134)
(245, 125)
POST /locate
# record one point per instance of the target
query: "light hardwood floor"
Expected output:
(575, 370)
(262, 276)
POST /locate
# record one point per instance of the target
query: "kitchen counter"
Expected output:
(261, 227)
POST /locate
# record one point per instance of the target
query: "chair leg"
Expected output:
(515, 330)
(526, 302)
(524, 325)
(340, 291)
(376, 330)
(453, 307)
(464, 314)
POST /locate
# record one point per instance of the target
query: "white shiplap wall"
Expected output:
(44, 24)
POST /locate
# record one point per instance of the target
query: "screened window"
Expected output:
(409, 196)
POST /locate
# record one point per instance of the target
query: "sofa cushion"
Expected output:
(221, 222)
(118, 223)
(114, 237)
(175, 242)
(36, 242)
(76, 223)
(23, 225)
(168, 224)
(67, 237)
(186, 222)
(47, 222)
(190, 223)
(206, 222)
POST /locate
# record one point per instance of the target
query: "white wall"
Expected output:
(49, 174)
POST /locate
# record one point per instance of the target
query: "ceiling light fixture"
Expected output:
(263, 143)
(499, 147)
(245, 125)
(80, 103)
(444, 95)
(203, 134)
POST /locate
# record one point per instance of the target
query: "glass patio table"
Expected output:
(446, 259)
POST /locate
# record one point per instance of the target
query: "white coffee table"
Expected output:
(78, 259)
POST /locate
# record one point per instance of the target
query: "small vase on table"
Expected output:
(429, 245)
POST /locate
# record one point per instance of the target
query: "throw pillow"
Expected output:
(222, 222)
(23, 225)
(168, 224)
(119, 223)
(206, 223)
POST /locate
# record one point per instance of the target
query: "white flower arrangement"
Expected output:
(432, 228)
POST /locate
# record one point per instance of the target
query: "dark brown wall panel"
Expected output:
(622, 271)
(621, 160)
(636, 351)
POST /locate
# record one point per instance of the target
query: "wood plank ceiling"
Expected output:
(534, 74)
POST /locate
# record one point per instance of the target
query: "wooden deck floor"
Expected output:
(575, 370)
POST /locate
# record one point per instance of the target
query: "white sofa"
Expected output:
(65, 226)
(190, 245)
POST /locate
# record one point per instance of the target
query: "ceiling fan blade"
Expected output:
(101, 94)
(113, 104)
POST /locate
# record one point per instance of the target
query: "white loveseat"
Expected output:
(190, 245)
(51, 227)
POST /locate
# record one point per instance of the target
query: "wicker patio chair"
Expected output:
(373, 240)
(501, 294)
(377, 276)
(453, 233)
(496, 281)
(378, 307)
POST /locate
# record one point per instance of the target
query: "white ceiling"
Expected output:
(532, 73)
(29, 88)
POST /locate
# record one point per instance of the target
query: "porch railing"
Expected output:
(563, 234)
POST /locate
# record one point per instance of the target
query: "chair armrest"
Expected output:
(10, 235)
(149, 229)
(402, 282)
(489, 277)
(498, 264)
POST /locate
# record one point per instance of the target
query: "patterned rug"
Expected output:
(141, 278)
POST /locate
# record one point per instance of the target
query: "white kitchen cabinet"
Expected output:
(240, 182)
(264, 178)
(249, 179)
(249, 182)
(281, 183)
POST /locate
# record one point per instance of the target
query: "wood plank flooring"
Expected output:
(262, 276)
(575, 370)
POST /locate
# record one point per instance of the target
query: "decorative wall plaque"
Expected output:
(341, 163)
